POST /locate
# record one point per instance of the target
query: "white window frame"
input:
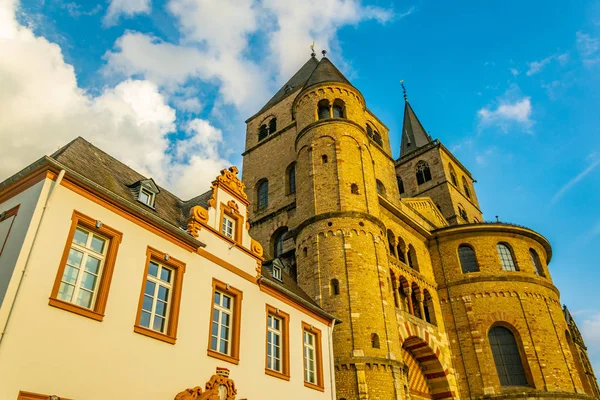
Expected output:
(150, 195)
(228, 226)
(222, 310)
(87, 252)
(157, 283)
(277, 274)
(310, 364)
(272, 347)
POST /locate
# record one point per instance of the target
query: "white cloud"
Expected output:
(514, 71)
(594, 162)
(511, 109)
(537, 66)
(588, 47)
(125, 8)
(43, 108)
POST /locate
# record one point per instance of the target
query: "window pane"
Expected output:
(145, 319)
(224, 347)
(75, 258)
(80, 236)
(97, 244)
(163, 293)
(84, 298)
(144, 197)
(150, 287)
(165, 274)
(213, 343)
(88, 281)
(92, 265)
(70, 274)
(159, 324)
(161, 308)
(65, 292)
(153, 269)
(225, 319)
(467, 258)
(227, 302)
(506, 357)
(506, 258)
(216, 317)
(147, 305)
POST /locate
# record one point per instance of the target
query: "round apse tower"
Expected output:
(505, 322)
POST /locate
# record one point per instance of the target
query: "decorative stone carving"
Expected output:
(219, 387)
(256, 248)
(229, 179)
(234, 206)
(198, 216)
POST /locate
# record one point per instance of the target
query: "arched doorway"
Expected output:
(427, 378)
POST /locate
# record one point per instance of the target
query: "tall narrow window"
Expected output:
(354, 188)
(412, 258)
(452, 175)
(400, 250)
(468, 261)
(466, 188)
(506, 257)
(377, 138)
(428, 307)
(313, 368)
(323, 109)
(400, 185)
(158, 308)
(263, 194)
(273, 125)
(225, 322)
(391, 242)
(380, 187)
(375, 341)
(334, 287)
(415, 303)
(228, 226)
(369, 131)
(324, 159)
(537, 263)
(85, 271)
(423, 172)
(278, 363)
(291, 175)
(507, 358)
(338, 109)
(278, 241)
(262, 132)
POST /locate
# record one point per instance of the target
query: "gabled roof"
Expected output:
(326, 72)
(413, 133)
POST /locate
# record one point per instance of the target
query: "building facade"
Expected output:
(435, 303)
(113, 288)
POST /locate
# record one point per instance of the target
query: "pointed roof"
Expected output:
(413, 133)
(313, 72)
(326, 72)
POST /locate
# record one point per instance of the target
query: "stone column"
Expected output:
(395, 283)
(420, 299)
(408, 292)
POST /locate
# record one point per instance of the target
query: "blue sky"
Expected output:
(512, 87)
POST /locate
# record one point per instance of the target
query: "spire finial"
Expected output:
(324, 52)
(404, 90)
(312, 49)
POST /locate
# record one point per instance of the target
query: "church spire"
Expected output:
(413, 133)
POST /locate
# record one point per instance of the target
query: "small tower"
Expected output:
(426, 168)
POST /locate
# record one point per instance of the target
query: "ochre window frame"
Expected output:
(237, 296)
(178, 268)
(115, 237)
(306, 327)
(36, 396)
(238, 220)
(285, 343)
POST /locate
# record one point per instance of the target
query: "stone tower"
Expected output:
(434, 303)
(440, 175)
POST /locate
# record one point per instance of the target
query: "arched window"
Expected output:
(428, 307)
(391, 243)
(273, 125)
(262, 132)
(415, 302)
(463, 213)
(452, 175)
(466, 187)
(338, 109)
(354, 188)
(412, 257)
(506, 257)
(374, 340)
(262, 194)
(400, 185)
(305, 252)
(369, 131)
(291, 178)
(423, 172)
(278, 239)
(537, 263)
(400, 249)
(323, 109)
(380, 188)
(324, 159)
(377, 138)
(334, 287)
(507, 357)
(468, 261)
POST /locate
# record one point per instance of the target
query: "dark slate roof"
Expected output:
(413, 133)
(326, 72)
(297, 81)
(106, 171)
(288, 282)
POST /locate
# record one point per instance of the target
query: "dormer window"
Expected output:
(228, 226)
(145, 192)
(277, 272)
(146, 197)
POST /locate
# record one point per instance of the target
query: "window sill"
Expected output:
(276, 374)
(153, 334)
(223, 357)
(85, 312)
(313, 386)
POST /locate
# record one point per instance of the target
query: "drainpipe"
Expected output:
(331, 366)
(33, 243)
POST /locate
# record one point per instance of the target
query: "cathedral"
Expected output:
(434, 302)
